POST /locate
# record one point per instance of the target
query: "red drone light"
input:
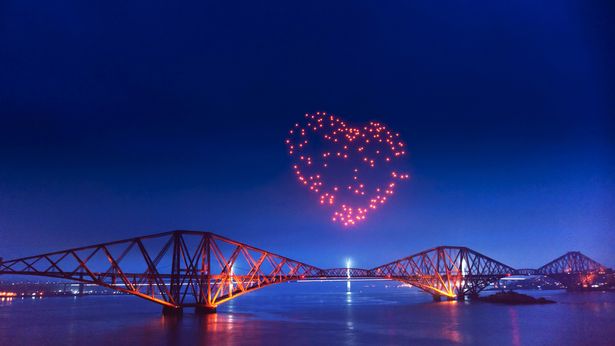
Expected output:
(353, 170)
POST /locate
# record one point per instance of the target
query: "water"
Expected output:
(379, 313)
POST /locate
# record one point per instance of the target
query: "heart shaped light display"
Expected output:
(353, 170)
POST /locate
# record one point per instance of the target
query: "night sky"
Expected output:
(120, 119)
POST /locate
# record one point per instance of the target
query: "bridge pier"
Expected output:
(204, 310)
(436, 297)
(172, 310)
(461, 298)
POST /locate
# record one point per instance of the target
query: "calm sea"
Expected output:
(315, 313)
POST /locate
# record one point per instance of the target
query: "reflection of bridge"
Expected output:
(202, 270)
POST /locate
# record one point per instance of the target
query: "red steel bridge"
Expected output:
(203, 270)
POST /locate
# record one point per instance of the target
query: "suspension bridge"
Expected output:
(182, 269)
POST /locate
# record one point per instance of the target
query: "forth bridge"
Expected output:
(181, 269)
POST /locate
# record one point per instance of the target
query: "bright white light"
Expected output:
(348, 263)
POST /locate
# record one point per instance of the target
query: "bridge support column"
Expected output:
(436, 297)
(81, 285)
(461, 298)
(172, 311)
(204, 309)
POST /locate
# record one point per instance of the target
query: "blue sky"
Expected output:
(118, 120)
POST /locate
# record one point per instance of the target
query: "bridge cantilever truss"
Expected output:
(202, 269)
(175, 269)
(572, 262)
(573, 269)
(449, 271)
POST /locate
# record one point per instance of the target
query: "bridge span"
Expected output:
(181, 269)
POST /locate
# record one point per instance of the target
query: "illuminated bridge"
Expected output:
(201, 269)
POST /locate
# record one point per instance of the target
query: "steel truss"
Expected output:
(574, 270)
(202, 269)
(175, 269)
(448, 271)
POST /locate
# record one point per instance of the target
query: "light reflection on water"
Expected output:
(516, 336)
(451, 332)
(311, 313)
